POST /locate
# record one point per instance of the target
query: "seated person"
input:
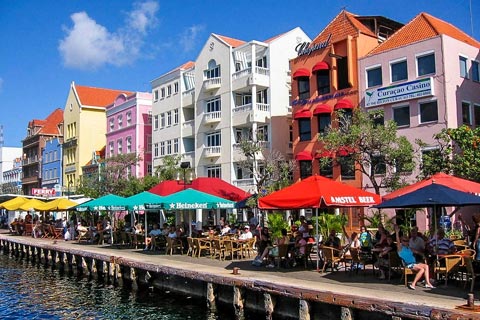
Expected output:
(37, 230)
(225, 230)
(441, 245)
(383, 259)
(165, 229)
(417, 243)
(153, 237)
(300, 248)
(406, 254)
(104, 231)
(365, 239)
(264, 244)
(333, 241)
(246, 234)
(83, 231)
(352, 241)
(13, 226)
(172, 232)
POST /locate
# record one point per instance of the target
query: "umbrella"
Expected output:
(315, 192)
(32, 204)
(59, 204)
(439, 179)
(13, 204)
(108, 202)
(137, 202)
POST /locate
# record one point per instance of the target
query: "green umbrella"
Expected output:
(110, 202)
(191, 199)
(137, 202)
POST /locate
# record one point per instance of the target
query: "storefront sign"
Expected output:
(43, 192)
(305, 49)
(400, 92)
(336, 95)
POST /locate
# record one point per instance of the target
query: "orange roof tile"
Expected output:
(422, 27)
(187, 65)
(342, 25)
(50, 125)
(98, 97)
(231, 41)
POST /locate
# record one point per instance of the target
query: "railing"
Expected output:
(188, 92)
(243, 182)
(214, 151)
(241, 73)
(212, 116)
(30, 160)
(212, 83)
(188, 124)
(264, 107)
(243, 108)
(262, 71)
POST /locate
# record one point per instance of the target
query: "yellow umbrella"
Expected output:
(59, 204)
(13, 204)
(31, 204)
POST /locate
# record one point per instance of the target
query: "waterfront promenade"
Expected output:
(335, 288)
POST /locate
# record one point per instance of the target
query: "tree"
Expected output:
(438, 159)
(168, 168)
(379, 153)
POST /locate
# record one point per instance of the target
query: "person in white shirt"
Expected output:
(153, 234)
(225, 230)
(246, 234)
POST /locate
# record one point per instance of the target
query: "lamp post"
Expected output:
(69, 186)
(185, 174)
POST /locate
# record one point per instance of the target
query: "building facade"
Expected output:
(426, 78)
(11, 169)
(52, 166)
(38, 133)
(129, 130)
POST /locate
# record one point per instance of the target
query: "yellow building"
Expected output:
(84, 127)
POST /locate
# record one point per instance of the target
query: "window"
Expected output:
(262, 62)
(326, 167)
(112, 124)
(169, 118)
(149, 169)
(428, 111)
(149, 144)
(162, 91)
(378, 164)
(213, 70)
(463, 67)
(305, 169)
(323, 81)
(347, 168)
(175, 87)
(119, 147)
(324, 121)
(476, 111)
(262, 96)
(111, 149)
(162, 148)
(401, 115)
(342, 74)
(214, 139)
(214, 171)
(213, 105)
(120, 121)
(304, 130)
(155, 122)
(162, 120)
(129, 144)
(426, 64)
(399, 70)
(475, 71)
(175, 145)
(175, 116)
(303, 87)
(374, 77)
(169, 147)
(155, 95)
(466, 115)
(155, 150)
(262, 133)
(129, 118)
(169, 90)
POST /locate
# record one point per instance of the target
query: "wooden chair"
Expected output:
(354, 260)
(249, 247)
(56, 233)
(218, 249)
(234, 248)
(202, 245)
(192, 248)
(447, 265)
(282, 255)
(394, 263)
(174, 244)
(28, 229)
(331, 256)
(460, 244)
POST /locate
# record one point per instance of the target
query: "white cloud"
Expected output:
(189, 37)
(89, 45)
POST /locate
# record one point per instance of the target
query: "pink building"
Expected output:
(426, 78)
(129, 130)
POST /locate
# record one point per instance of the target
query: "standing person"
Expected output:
(476, 239)
(407, 255)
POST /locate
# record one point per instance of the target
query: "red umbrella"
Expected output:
(438, 178)
(213, 186)
(317, 191)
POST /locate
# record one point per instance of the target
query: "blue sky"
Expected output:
(47, 44)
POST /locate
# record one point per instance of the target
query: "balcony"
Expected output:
(244, 184)
(212, 84)
(212, 117)
(212, 152)
(258, 112)
(188, 128)
(72, 142)
(69, 168)
(257, 76)
(188, 97)
(30, 160)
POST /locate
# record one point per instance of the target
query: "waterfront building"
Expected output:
(235, 90)
(426, 78)
(129, 130)
(85, 127)
(12, 178)
(52, 166)
(39, 131)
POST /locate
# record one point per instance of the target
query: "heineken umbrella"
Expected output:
(191, 199)
(13, 204)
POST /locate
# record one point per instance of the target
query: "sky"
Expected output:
(119, 44)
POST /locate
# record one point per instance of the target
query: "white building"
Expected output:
(235, 90)
(8, 157)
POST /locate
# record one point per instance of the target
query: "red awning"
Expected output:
(344, 151)
(303, 155)
(324, 154)
(343, 104)
(322, 108)
(301, 114)
(322, 65)
(302, 72)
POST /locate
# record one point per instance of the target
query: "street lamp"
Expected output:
(185, 175)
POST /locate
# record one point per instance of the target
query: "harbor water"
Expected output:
(34, 291)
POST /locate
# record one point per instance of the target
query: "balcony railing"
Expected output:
(241, 73)
(212, 116)
(243, 182)
(264, 107)
(212, 83)
(214, 151)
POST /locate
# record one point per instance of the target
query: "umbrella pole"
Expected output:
(316, 240)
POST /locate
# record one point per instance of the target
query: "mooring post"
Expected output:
(269, 305)
(346, 313)
(238, 302)
(134, 278)
(303, 310)
(211, 296)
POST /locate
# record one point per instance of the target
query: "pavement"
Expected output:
(364, 284)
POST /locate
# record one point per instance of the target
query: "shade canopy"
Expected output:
(438, 178)
(432, 195)
(191, 199)
(137, 202)
(322, 65)
(315, 192)
(343, 104)
(302, 114)
(59, 204)
(303, 156)
(322, 109)
(13, 204)
(302, 72)
(31, 204)
(213, 186)
(108, 202)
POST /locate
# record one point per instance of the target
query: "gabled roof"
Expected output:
(342, 25)
(187, 65)
(98, 97)
(230, 41)
(50, 125)
(422, 27)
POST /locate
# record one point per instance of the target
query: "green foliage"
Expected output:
(276, 223)
(438, 159)
(168, 168)
(327, 222)
(378, 218)
(379, 153)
